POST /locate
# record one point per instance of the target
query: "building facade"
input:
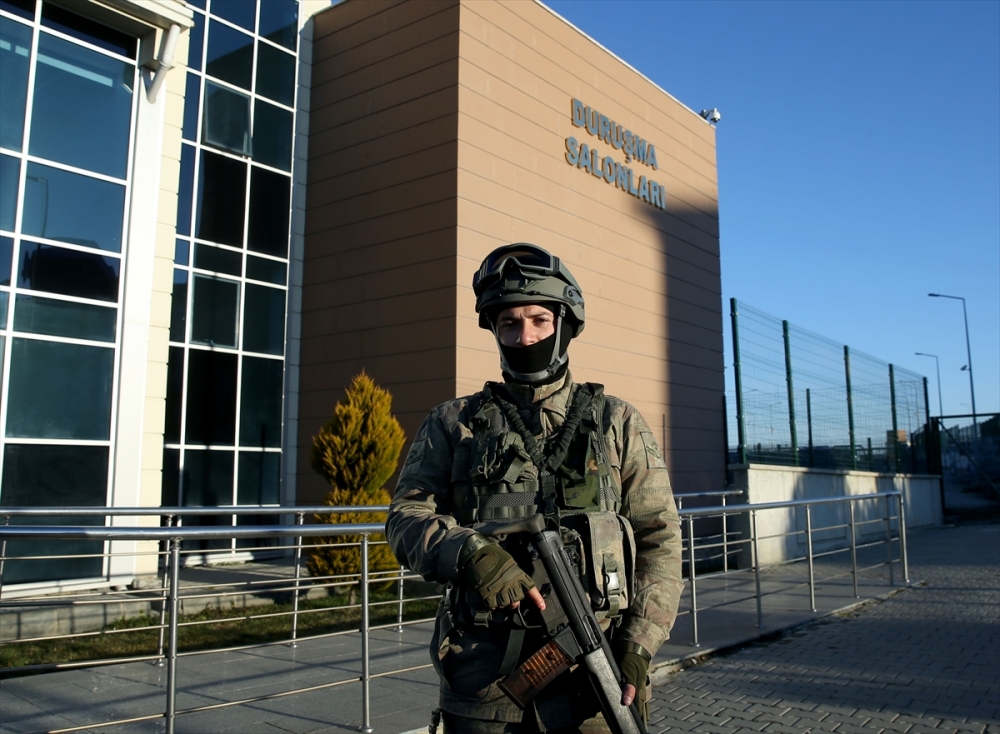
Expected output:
(214, 214)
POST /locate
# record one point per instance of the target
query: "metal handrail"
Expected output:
(175, 535)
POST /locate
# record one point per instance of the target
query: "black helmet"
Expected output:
(521, 274)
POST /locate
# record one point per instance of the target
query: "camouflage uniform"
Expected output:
(426, 536)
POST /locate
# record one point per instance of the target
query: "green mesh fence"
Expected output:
(804, 400)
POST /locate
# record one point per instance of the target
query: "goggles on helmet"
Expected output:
(522, 257)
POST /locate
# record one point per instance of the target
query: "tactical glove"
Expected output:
(492, 572)
(633, 661)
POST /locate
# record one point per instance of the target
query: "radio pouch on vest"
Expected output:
(608, 570)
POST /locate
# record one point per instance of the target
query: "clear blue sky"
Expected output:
(859, 164)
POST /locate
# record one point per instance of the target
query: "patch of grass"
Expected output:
(208, 630)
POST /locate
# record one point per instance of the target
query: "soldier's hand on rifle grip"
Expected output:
(634, 666)
(495, 575)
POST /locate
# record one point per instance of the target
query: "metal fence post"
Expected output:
(850, 406)
(756, 565)
(399, 608)
(175, 554)
(725, 538)
(366, 726)
(691, 575)
(164, 590)
(888, 540)
(809, 556)
(299, 520)
(809, 423)
(791, 393)
(741, 451)
(854, 549)
(895, 424)
(3, 553)
(902, 541)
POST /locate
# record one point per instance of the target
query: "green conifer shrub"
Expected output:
(356, 451)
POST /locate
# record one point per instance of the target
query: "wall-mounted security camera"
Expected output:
(713, 115)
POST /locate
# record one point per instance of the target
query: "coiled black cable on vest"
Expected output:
(547, 466)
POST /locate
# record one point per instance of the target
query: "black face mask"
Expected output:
(539, 363)
(532, 358)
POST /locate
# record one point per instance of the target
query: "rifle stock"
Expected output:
(573, 628)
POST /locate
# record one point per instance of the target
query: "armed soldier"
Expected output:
(538, 443)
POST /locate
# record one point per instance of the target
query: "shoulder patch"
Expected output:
(654, 459)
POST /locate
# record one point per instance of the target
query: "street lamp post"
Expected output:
(968, 349)
(937, 366)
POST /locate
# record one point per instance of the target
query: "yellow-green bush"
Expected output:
(356, 451)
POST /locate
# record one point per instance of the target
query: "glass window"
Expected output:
(226, 119)
(260, 402)
(211, 398)
(275, 74)
(10, 172)
(98, 91)
(259, 478)
(59, 390)
(170, 492)
(178, 306)
(264, 320)
(269, 271)
(53, 476)
(15, 52)
(230, 55)
(215, 311)
(241, 12)
(192, 93)
(279, 22)
(196, 45)
(4, 295)
(175, 385)
(60, 205)
(35, 315)
(24, 8)
(216, 259)
(221, 199)
(272, 136)
(181, 250)
(88, 30)
(208, 479)
(270, 209)
(185, 189)
(6, 258)
(68, 272)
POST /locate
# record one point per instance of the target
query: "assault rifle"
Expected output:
(574, 634)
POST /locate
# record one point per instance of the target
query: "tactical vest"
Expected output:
(581, 493)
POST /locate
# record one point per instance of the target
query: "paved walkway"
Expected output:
(925, 660)
(913, 660)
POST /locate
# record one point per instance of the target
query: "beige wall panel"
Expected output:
(393, 226)
(365, 24)
(326, 138)
(611, 211)
(331, 323)
(398, 69)
(534, 92)
(385, 178)
(355, 261)
(585, 67)
(385, 96)
(402, 197)
(378, 287)
(395, 147)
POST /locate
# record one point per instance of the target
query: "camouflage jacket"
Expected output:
(426, 537)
